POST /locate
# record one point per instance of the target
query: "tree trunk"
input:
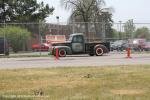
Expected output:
(87, 30)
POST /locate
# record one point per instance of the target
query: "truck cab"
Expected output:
(77, 44)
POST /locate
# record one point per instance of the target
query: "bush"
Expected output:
(17, 36)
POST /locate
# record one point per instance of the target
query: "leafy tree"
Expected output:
(87, 11)
(129, 28)
(18, 37)
(142, 33)
(23, 11)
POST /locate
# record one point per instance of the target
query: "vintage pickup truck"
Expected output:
(77, 44)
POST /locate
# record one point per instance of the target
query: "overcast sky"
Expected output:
(138, 10)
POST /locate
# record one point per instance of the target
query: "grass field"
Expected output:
(90, 83)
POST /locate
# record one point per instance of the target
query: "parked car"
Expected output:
(4, 46)
(147, 46)
(137, 44)
(119, 45)
(40, 47)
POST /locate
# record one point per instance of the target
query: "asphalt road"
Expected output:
(74, 61)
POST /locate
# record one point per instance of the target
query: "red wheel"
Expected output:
(99, 51)
(62, 53)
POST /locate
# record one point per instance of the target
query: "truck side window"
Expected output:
(78, 39)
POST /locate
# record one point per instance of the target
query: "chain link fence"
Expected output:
(25, 37)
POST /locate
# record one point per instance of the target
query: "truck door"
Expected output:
(78, 44)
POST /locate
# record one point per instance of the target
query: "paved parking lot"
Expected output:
(75, 61)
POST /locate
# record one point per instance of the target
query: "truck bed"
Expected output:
(91, 45)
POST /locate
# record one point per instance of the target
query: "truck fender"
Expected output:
(66, 48)
(100, 49)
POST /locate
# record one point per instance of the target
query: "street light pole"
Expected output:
(120, 36)
(57, 17)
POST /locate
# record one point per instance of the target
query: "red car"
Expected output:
(40, 47)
